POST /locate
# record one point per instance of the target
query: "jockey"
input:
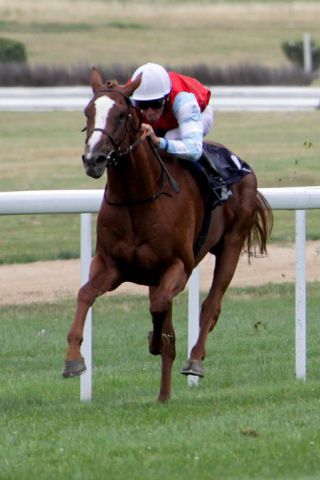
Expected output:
(175, 110)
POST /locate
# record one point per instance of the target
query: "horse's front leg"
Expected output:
(162, 342)
(162, 338)
(101, 280)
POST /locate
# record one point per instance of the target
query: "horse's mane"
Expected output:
(111, 83)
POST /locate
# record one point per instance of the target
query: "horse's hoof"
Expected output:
(193, 367)
(74, 368)
(163, 398)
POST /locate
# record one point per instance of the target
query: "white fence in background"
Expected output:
(86, 202)
(24, 99)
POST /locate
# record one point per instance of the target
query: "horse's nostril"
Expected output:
(100, 159)
(93, 160)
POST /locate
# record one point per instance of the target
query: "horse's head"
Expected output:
(109, 122)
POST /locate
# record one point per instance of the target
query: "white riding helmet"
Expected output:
(155, 82)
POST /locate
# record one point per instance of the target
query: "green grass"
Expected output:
(248, 419)
(31, 238)
(282, 147)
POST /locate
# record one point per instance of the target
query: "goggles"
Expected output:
(154, 104)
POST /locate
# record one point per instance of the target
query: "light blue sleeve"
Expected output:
(188, 145)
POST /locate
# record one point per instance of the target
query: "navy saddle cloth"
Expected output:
(228, 165)
(216, 171)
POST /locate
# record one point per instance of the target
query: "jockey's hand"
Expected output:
(147, 131)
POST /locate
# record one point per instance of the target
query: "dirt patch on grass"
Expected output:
(55, 280)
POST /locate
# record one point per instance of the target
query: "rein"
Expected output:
(164, 169)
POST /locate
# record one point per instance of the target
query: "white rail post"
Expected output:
(193, 316)
(86, 347)
(307, 53)
(301, 323)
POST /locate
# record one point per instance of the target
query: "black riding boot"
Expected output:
(218, 186)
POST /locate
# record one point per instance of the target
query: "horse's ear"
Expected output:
(95, 79)
(132, 85)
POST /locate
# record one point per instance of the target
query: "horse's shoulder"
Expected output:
(186, 171)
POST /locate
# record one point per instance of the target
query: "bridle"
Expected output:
(113, 158)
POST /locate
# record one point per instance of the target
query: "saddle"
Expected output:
(215, 172)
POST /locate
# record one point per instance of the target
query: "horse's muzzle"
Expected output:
(95, 166)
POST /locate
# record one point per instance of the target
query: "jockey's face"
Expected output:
(153, 114)
(152, 109)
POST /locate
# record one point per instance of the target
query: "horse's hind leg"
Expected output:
(226, 262)
(211, 308)
(99, 282)
(162, 339)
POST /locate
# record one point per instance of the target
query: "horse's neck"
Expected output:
(136, 177)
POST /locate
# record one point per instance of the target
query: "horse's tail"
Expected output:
(256, 242)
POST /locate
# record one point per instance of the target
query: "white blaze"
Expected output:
(103, 107)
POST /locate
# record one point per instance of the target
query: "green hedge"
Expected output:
(294, 52)
(19, 74)
(12, 51)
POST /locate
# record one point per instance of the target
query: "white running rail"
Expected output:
(23, 99)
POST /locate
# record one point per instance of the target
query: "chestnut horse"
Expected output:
(149, 222)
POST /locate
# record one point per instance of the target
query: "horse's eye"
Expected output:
(121, 117)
